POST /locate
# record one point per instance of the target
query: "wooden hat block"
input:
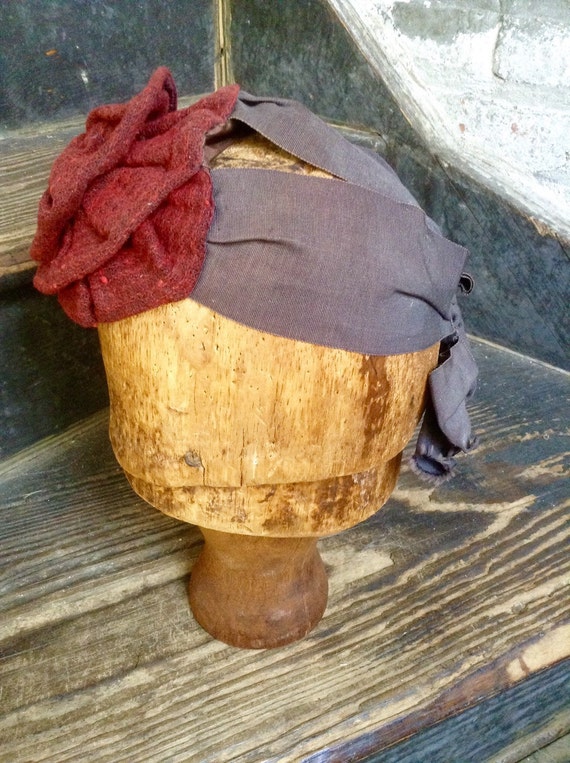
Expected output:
(264, 442)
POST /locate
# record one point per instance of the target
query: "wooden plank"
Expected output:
(25, 161)
(548, 744)
(502, 729)
(445, 597)
(557, 752)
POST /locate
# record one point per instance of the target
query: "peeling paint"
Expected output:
(486, 86)
(440, 21)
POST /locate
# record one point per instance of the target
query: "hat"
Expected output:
(133, 218)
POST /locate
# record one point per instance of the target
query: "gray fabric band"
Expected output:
(328, 263)
(352, 263)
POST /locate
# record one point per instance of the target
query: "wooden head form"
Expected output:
(258, 437)
(240, 431)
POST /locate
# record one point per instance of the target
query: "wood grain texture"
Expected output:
(25, 162)
(258, 592)
(198, 400)
(501, 729)
(444, 597)
(256, 152)
(292, 509)
(317, 412)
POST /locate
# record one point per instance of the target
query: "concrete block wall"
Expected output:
(487, 86)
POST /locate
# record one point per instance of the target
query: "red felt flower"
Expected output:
(122, 226)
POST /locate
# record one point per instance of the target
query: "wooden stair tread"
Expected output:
(445, 597)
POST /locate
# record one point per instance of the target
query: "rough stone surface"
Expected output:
(533, 45)
(486, 84)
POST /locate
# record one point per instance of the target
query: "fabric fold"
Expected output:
(326, 262)
(388, 287)
(123, 224)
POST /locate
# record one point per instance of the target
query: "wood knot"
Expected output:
(192, 458)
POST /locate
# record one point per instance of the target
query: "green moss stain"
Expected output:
(442, 21)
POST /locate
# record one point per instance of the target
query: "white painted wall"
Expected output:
(486, 84)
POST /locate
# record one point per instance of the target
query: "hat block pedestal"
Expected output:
(265, 442)
(256, 591)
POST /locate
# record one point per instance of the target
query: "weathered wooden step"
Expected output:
(443, 599)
